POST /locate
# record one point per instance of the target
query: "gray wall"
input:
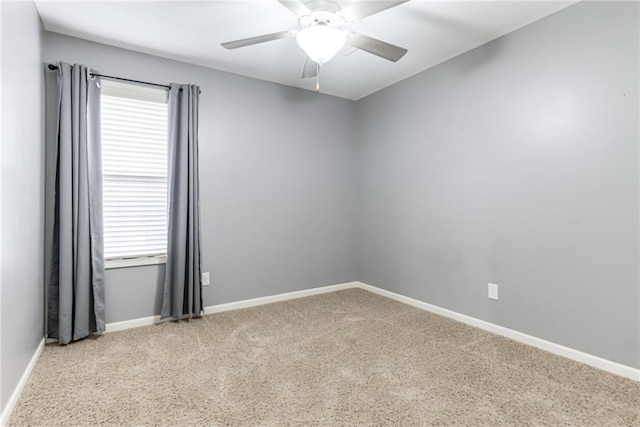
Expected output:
(22, 193)
(517, 164)
(277, 187)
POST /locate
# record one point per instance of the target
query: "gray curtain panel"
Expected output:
(182, 287)
(76, 286)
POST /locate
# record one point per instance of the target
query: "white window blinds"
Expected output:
(134, 169)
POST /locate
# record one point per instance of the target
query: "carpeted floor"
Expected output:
(344, 358)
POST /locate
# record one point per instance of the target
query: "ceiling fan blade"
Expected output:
(377, 47)
(310, 69)
(255, 40)
(296, 6)
(364, 8)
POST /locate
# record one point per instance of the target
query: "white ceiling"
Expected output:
(191, 31)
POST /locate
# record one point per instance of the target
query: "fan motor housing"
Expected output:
(322, 5)
(321, 17)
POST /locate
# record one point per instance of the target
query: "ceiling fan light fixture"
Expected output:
(321, 42)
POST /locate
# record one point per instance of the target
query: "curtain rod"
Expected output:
(55, 67)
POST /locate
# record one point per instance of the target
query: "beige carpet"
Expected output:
(344, 358)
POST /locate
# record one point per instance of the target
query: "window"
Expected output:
(134, 173)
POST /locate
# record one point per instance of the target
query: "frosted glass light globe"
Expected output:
(321, 42)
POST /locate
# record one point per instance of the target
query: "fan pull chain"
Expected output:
(318, 78)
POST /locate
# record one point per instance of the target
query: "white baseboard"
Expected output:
(11, 403)
(130, 324)
(152, 320)
(277, 298)
(569, 353)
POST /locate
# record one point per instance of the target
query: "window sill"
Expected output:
(134, 262)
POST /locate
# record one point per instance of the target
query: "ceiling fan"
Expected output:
(320, 32)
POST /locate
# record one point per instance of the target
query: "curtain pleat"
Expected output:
(182, 294)
(76, 286)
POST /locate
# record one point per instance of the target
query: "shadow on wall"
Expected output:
(160, 271)
(476, 59)
(51, 130)
(133, 292)
(298, 95)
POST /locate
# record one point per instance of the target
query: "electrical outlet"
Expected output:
(205, 279)
(493, 291)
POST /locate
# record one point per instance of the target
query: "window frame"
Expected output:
(134, 262)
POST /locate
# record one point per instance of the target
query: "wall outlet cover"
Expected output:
(493, 291)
